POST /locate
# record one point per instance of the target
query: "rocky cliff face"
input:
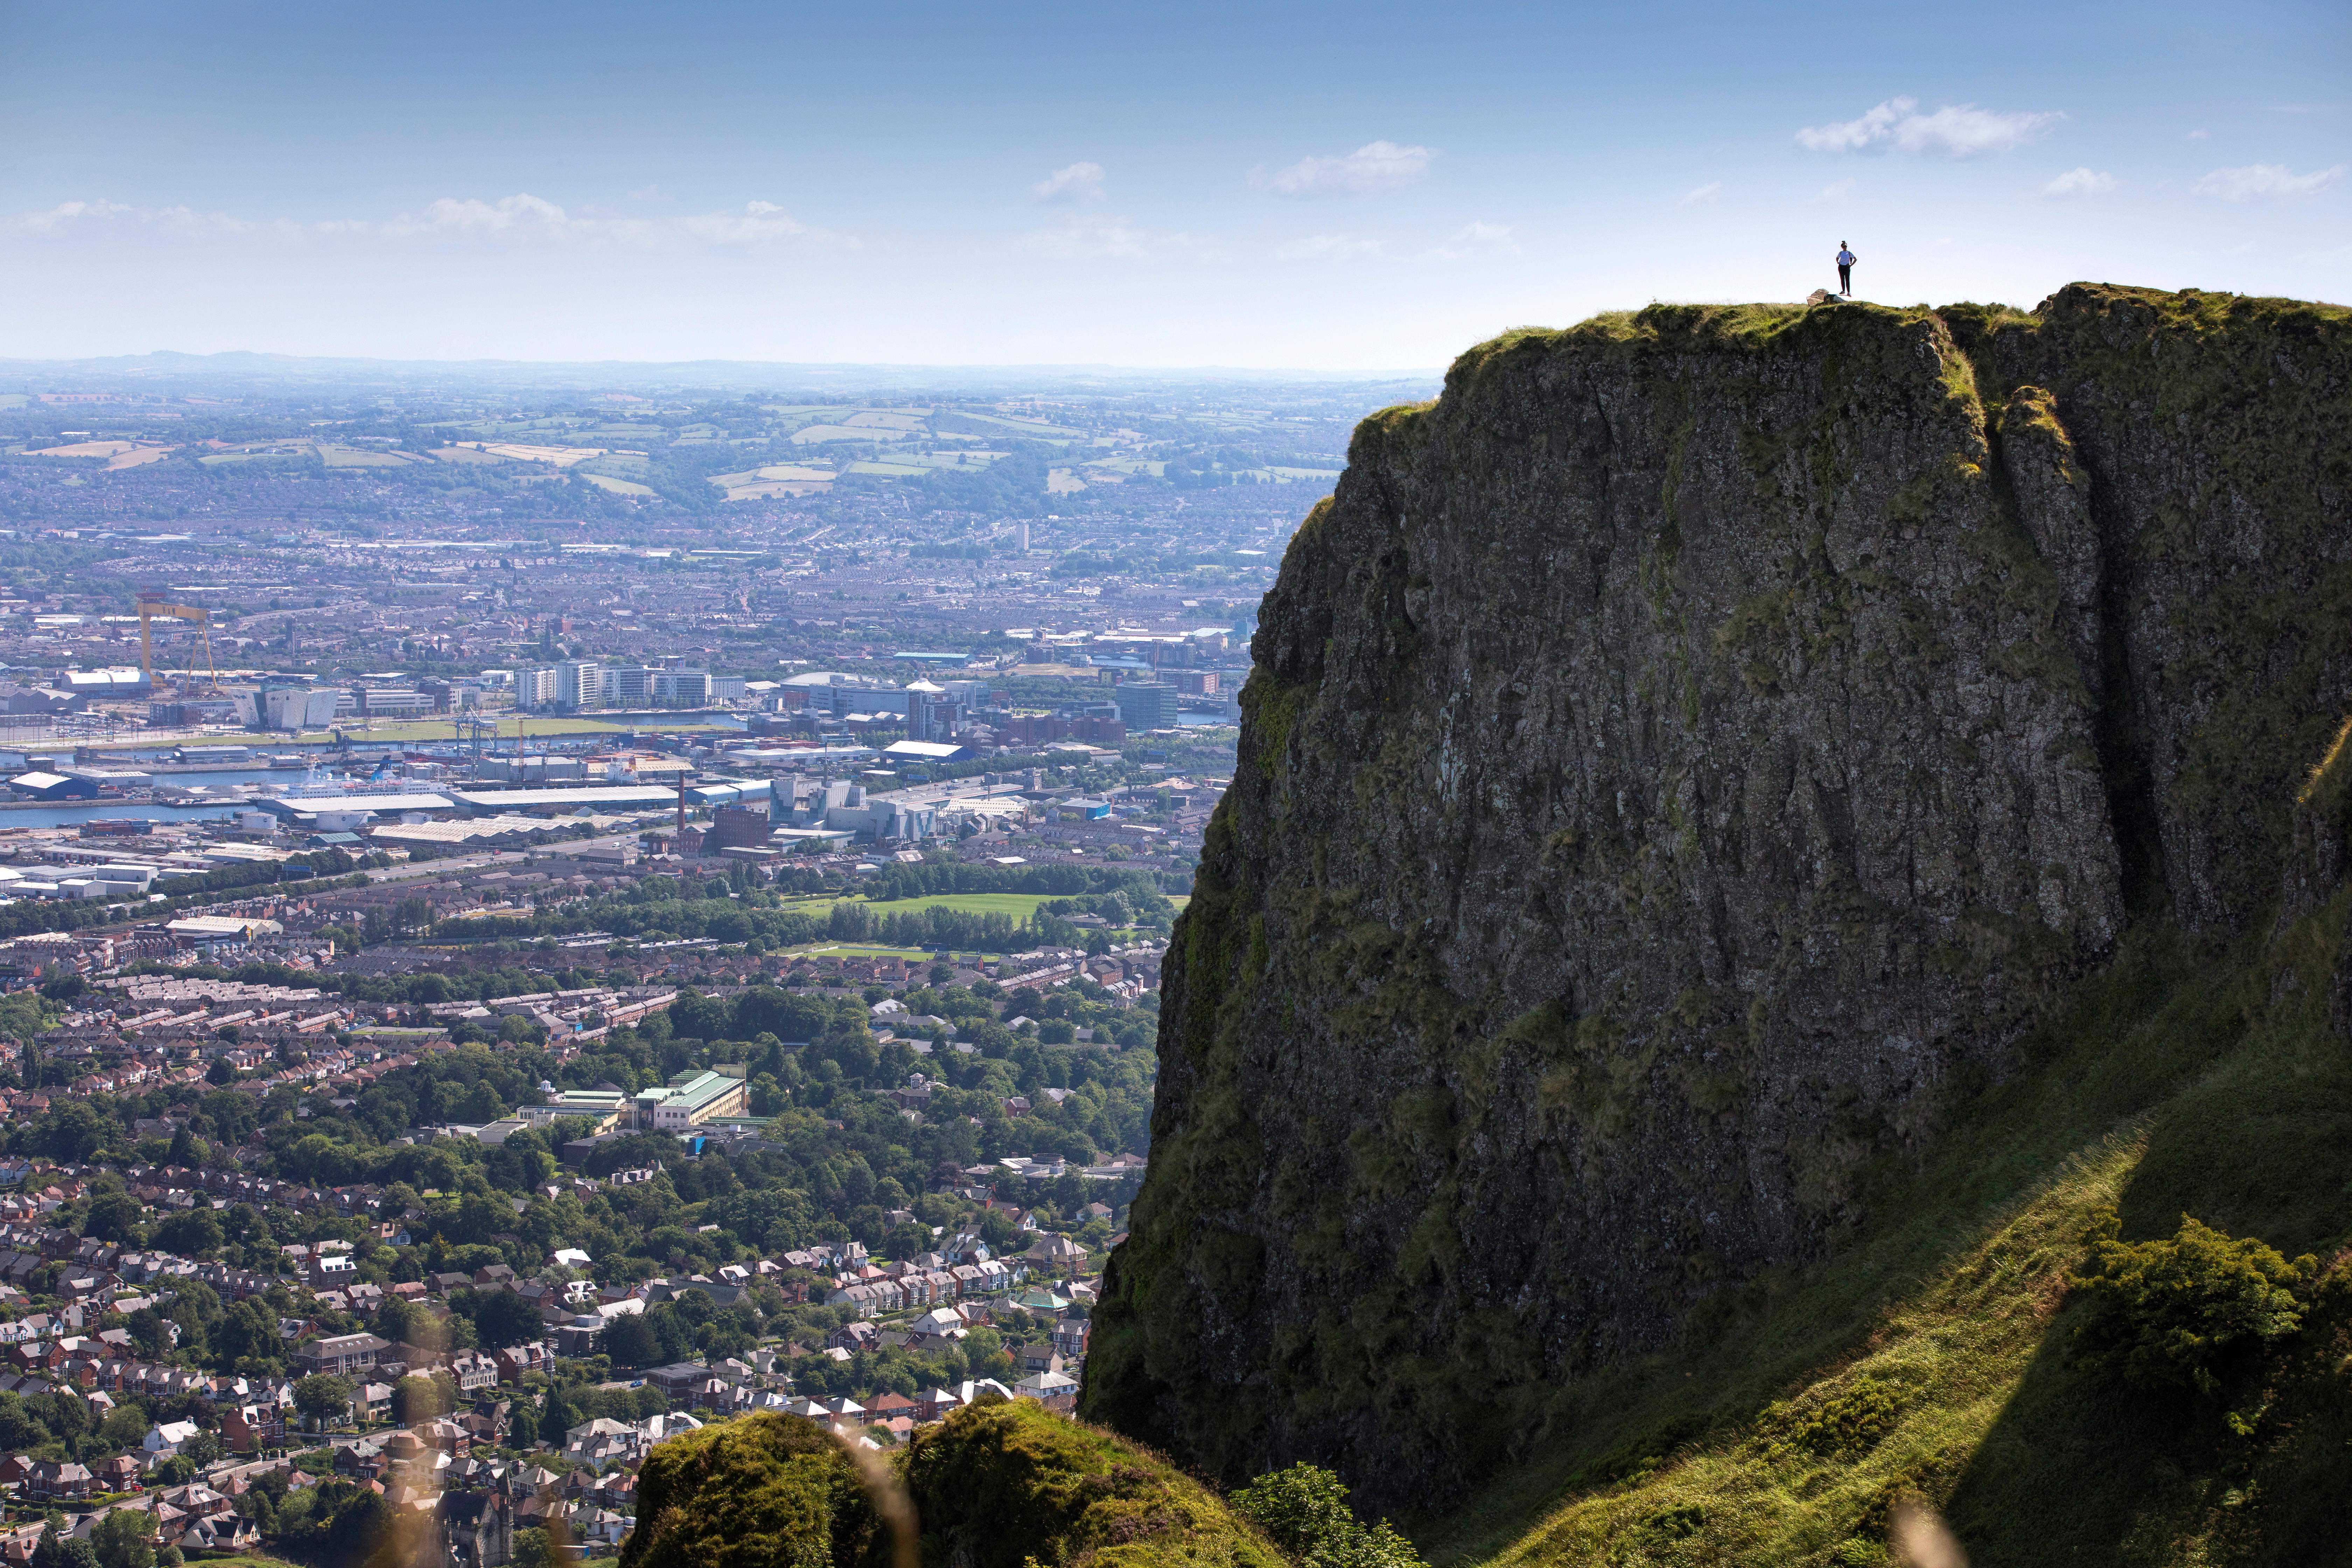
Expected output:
(1681, 760)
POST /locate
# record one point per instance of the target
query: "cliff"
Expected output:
(1690, 766)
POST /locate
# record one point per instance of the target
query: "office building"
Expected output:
(629, 686)
(689, 1099)
(682, 688)
(1145, 705)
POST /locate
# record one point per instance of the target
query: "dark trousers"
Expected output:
(1845, 279)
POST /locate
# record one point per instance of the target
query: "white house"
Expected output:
(163, 1441)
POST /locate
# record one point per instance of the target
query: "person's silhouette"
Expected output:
(1846, 259)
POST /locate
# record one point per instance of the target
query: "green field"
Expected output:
(862, 950)
(1020, 906)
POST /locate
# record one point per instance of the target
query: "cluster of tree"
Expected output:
(722, 909)
(118, 1539)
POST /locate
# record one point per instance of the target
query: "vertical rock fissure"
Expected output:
(2117, 733)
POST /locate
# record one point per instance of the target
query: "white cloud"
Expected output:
(2265, 182)
(1327, 247)
(2084, 182)
(1478, 239)
(1955, 131)
(1077, 181)
(521, 216)
(2198, 136)
(175, 219)
(1836, 191)
(1091, 238)
(65, 213)
(1374, 166)
(758, 222)
(1706, 193)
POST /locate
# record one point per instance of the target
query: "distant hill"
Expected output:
(243, 367)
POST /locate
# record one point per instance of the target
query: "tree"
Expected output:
(697, 1017)
(322, 1398)
(394, 1321)
(501, 1319)
(221, 1071)
(58, 1550)
(124, 1426)
(120, 1539)
(416, 1399)
(631, 1341)
(72, 1132)
(480, 1106)
(112, 1216)
(190, 1233)
(246, 1340)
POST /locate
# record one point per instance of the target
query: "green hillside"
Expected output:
(1933, 1356)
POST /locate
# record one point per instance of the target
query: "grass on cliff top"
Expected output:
(1930, 1358)
(2189, 309)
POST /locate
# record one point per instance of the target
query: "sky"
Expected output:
(1356, 188)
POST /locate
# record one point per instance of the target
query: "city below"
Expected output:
(537, 923)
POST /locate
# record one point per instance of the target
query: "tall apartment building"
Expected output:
(535, 686)
(931, 713)
(579, 683)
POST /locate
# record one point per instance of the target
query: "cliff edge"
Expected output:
(1685, 760)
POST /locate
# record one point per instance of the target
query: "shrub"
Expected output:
(1004, 1482)
(1843, 1425)
(2186, 1310)
(1304, 1509)
(767, 1489)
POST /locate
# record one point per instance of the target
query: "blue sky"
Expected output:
(1355, 188)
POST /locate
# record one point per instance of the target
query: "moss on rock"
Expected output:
(1003, 1483)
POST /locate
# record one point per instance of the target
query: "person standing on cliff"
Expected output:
(1846, 259)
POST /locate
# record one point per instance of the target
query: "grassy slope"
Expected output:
(2176, 1081)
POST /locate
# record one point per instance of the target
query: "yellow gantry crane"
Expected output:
(153, 603)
